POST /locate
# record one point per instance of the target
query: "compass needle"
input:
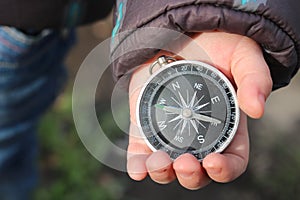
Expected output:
(170, 109)
(206, 118)
(160, 106)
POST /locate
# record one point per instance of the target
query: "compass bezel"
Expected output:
(155, 142)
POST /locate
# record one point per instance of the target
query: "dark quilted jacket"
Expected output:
(274, 24)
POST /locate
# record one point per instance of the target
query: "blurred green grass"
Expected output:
(67, 170)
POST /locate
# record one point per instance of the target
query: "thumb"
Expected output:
(252, 77)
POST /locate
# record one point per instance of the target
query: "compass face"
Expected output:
(188, 107)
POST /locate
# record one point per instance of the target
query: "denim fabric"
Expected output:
(31, 76)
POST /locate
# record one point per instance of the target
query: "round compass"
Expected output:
(187, 107)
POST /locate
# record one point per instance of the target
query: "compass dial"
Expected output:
(188, 107)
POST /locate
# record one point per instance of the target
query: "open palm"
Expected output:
(241, 60)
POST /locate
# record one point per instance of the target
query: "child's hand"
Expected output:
(242, 61)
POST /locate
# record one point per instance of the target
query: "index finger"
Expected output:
(233, 161)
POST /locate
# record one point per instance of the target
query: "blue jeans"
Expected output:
(31, 76)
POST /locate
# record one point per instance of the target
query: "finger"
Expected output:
(138, 151)
(252, 77)
(189, 172)
(137, 81)
(233, 161)
(137, 154)
(160, 167)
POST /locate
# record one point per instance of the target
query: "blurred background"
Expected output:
(68, 171)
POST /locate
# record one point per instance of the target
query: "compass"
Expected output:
(187, 107)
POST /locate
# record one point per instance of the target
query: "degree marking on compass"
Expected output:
(206, 71)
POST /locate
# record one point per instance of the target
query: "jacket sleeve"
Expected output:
(274, 24)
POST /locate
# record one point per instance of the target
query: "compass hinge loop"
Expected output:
(161, 61)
